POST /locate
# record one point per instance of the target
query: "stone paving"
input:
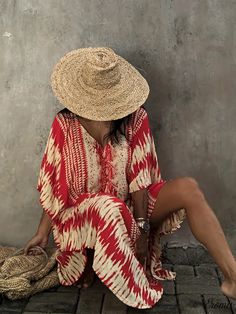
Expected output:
(195, 290)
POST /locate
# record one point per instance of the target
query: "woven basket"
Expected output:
(24, 275)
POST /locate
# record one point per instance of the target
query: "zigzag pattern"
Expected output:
(102, 222)
(88, 212)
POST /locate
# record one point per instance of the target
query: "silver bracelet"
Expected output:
(142, 219)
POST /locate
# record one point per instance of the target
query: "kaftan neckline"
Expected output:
(93, 139)
(105, 159)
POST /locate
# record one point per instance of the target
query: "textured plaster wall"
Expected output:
(185, 49)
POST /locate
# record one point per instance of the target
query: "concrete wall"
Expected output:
(185, 49)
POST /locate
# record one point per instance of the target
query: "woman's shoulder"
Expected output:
(65, 117)
(140, 112)
(138, 116)
(135, 122)
(65, 114)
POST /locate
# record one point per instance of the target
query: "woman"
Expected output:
(101, 188)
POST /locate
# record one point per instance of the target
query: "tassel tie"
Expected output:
(107, 170)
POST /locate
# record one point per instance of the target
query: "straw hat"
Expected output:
(98, 84)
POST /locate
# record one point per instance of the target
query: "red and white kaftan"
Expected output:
(85, 189)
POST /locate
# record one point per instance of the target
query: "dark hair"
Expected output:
(117, 126)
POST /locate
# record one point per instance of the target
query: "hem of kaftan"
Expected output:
(168, 226)
(114, 259)
(154, 285)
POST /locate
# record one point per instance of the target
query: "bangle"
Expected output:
(142, 219)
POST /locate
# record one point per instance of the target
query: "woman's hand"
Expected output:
(142, 249)
(38, 239)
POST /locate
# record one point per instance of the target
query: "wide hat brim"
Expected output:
(111, 103)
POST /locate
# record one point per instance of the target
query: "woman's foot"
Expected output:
(87, 278)
(228, 287)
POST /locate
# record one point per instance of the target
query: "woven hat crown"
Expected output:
(98, 84)
(100, 69)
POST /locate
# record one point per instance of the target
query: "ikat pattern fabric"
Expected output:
(86, 190)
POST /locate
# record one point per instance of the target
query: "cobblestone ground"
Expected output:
(195, 290)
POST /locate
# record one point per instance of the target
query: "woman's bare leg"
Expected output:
(185, 193)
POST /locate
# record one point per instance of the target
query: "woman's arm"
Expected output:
(45, 225)
(140, 204)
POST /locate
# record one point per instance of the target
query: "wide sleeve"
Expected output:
(51, 181)
(144, 168)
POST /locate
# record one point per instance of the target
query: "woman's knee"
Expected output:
(109, 204)
(189, 190)
(112, 198)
